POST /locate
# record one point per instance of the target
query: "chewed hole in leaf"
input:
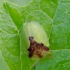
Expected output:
(36, 48)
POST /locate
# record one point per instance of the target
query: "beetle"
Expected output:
(36, 48)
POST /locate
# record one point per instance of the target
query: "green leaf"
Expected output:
(54, 16)
(59, 40)
(10, 46)
(3, 65)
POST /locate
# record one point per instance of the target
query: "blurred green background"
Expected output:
(19, 2)
(3, 65)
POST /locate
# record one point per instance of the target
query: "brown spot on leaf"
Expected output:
(36, 48)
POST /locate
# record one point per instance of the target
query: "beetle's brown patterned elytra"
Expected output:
(36, 48)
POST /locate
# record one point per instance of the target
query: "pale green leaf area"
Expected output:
(19, 2)
(1, 2)
(3, 65)
(54, 17)
(10, 46)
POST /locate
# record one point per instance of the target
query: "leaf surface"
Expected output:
(9, 41)
(54, 16)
